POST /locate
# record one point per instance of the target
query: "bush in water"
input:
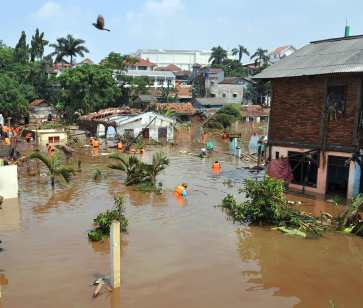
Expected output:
(104, 220)
(267, 204)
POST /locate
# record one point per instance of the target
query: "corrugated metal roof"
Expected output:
(340, 55)
(144, 73)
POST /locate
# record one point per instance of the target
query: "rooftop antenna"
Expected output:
(347, 29)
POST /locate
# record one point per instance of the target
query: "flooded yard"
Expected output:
(177, 253)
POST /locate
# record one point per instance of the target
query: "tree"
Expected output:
(6, 56)
(218, 55)
(114, 61)
(37, 45)
(132, 166)
(22, 49)
(159, 163)
(55, 167)
(261, 57)
(13, 102)
(86, 89)
(240, 51)
(233, 68)
(68, 47)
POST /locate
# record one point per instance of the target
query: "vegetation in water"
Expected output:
(224, 117)
(350, 220)
(266, 204)
(97, 175)
(138, 172)
(55, 167)
(104, 220)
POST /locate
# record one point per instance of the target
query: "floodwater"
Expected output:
(176, 254)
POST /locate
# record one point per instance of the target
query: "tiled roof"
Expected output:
(181, 108)
(184, 91)
(142, 62)
(38, 102)
(235, 80)
(279, 50)
(105, 113)
(170, 68)
(254, 111)
(87, 61)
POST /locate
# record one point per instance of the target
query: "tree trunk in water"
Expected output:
(52, 182)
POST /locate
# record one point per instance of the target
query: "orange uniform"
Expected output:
(216, 166)
(120, 146)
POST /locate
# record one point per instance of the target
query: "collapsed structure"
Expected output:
(316, 115)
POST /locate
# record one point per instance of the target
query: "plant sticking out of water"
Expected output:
(104, 220)
(55, 167)
(138, 172)
(350, 221)
(266, 204)
(97, 175)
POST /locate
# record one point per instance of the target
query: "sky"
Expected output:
(180, 24)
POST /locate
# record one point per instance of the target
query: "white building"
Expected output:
(185, 59)
(152, 125)
(281, 52)
(157, 79)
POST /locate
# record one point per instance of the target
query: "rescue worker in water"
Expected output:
(216, 166)
(181, 190)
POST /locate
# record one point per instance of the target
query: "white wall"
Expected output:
(9, 181)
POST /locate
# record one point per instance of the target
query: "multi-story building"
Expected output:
(185, 59)
(316, 119)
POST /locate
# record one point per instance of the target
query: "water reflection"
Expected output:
(10, 215)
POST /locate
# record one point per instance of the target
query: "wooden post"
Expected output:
(115, 254)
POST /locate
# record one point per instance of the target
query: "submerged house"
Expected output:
(40, 109)
(150, 125)
(316, 115)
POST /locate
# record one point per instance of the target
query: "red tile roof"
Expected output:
(254, 111)
(142, 62)
(181, 108)
(170, 68)
(38, 102)
(279, 50)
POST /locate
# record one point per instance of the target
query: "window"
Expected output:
(53, 139)
(224, 95)
(212, 95)
(235, 95)
(129, 133)
(335, 101)
(304, 168)
(142, 68)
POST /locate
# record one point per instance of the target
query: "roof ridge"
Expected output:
(336, 39)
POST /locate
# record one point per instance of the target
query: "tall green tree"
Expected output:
(22, 49)
(261, 57)
(37, 46)
(13, 102)
(68, 47)
(6, 56)
(86, 89)
(114, 61)
(218, 55)
(240, 51)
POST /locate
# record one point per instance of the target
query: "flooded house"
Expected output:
(316, 115)
(50, 136)
(40, 109)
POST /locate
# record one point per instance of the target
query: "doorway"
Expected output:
(337, 176)
(162, 133)
(146, 133)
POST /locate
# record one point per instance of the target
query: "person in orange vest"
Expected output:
(142, 151)
(7, 140)
(50, 149)
(95, 143)
(216, 166)
(119, 146)
(181, 190)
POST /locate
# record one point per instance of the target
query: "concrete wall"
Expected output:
(233, 92)
(9, 181)
(321, 187)
(44, 134)
(39, 113)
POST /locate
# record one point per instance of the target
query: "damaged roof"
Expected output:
(109, 112)
(181, 108)
(337, 55)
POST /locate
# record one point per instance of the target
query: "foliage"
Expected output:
(13, 102)
(97, 175)
(224, 117)
(168, 93)
(37, 46)
(218, 55)
(261, 57)
(104, 220)
(240, 51)
(7, 56)
(86, 89)
(266, 204)
(114, 61)
(138, 172)
(68, 47)
(21, 51)
(255, 93)
(350, 220)
(234, 68)
(55, 167)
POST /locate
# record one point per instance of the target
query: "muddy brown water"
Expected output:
(176, 253)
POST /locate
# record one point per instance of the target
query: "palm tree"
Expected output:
(134, 168)
(68, 47)
(218, 55)
(261, 57)
(159, 163)
(240, 51)
(37, 45)
(55, 167)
